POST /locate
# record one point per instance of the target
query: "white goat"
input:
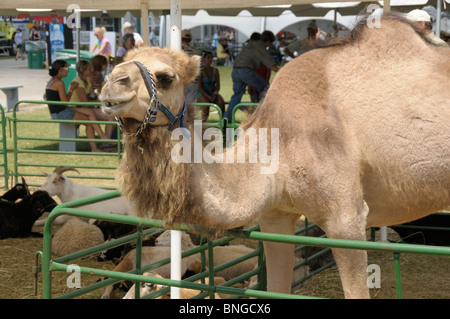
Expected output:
(60, 185)
(185, 293)
(151, 254)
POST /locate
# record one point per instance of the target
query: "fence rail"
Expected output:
(24, 155)
(71, 209)
(58, 264)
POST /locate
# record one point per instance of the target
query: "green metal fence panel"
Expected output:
(234, 123)
(3, 152)
(219, 123)
(71, 209)
(39, 150)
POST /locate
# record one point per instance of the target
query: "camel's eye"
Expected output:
(120, 78)
(164, 79)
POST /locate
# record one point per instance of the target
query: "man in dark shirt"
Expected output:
(251, 57)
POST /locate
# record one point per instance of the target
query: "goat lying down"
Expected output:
(18, 191)
(147, 288)
(151, 254)
(67, 190)
(17, 219)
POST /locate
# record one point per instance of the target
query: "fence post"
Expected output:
(137, 286)
(398, 281)
(4, 150)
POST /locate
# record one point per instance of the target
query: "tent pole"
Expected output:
(386, 6)
(144, 20)
(175, 242)
(438, 18)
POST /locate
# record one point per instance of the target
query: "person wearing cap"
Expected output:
(190, 89)
(422, 21)
(247, 61)
(315, 38)
(129, 28)
(186, 38)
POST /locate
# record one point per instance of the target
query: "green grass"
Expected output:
(36, 156)
(32, 164)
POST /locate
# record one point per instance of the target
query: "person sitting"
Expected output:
(209, 85)
(56, 91)
(127, 44)
(100, 68)
(102, 44)
(84, 93)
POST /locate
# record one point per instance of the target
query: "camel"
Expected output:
(363, 142)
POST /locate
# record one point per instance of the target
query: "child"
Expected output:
(209, 85)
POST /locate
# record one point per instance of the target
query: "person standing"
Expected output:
(101, 44)
(315, 38)
(248, 60)
(190, 89)
(129, 28)
(18, 39)
(422, 20)
(153, 39)
(215, 41)
(34, 34)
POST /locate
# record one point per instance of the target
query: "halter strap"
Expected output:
(154, 106)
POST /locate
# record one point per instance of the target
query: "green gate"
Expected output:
(49, 265)
(4, 160)
(29, 150)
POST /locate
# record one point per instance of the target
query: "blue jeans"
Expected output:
(66, 114)
(241, 78)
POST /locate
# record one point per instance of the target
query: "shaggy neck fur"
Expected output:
(185, 192)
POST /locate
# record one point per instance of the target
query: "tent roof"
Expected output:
(268, 8)
(151, 4)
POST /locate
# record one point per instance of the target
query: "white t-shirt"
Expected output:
(137, 38)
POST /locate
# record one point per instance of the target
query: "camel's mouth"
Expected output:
(116, 107)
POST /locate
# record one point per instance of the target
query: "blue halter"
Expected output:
(155, 105)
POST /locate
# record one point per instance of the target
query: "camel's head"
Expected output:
(125, 94)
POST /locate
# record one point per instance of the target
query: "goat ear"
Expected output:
(58, 178)
(45, 174)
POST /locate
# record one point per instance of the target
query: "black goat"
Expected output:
(111, 231)
(18, 191)
(426, 236)
(17, 219)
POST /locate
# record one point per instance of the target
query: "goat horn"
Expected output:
(61, 169)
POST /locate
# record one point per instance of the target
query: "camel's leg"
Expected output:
(352, 264)
(279, 256)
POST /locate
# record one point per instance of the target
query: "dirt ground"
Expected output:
(423, 277)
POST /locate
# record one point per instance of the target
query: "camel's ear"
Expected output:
(192, 68)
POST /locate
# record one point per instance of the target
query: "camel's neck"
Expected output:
(190, 180)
